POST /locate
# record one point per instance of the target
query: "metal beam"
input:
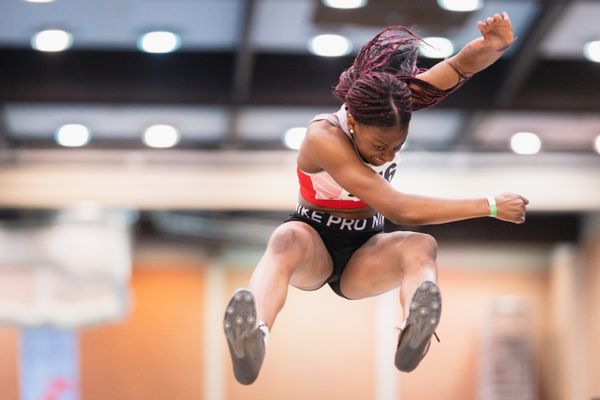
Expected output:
(4, 141)
(277, 79)
(526, 57)
(242, 73)
(99, 77)
(244, 60)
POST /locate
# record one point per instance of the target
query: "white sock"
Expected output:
(265, 330)
(403, 324)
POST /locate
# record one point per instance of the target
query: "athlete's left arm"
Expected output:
(497, 36)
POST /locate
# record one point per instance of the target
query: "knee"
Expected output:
(289, 239)
(420, 250)
(427, 245)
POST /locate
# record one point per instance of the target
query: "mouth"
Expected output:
(377, 161)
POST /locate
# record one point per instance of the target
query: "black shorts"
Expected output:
(341, 236)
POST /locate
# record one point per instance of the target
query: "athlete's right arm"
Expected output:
(330, 150)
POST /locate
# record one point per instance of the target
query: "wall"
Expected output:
(321, 347)
(9, 341)
(591, 265)
(157, 352)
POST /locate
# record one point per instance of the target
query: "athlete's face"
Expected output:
(377, 145)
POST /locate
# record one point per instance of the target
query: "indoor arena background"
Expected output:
(139, 186)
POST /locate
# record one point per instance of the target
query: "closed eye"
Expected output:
(377, 147)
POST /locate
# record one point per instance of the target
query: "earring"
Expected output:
(351, 131)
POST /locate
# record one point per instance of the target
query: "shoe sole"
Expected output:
(239, 320)
(244, 338)
(423, 319)
(425, 312)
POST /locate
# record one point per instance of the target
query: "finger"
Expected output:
(489, 20)
(525, 200)
(480, 26)
(505, 15)
(497, 18)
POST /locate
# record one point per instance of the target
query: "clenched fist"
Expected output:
(511, 207)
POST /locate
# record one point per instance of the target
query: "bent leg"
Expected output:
(295, 255)
(407, 260)
(388, 261)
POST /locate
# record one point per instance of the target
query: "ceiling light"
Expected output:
(51, 40)
(72, 135)
(460, 5)
(525, 143)
(436, 47)
(39, 1)
(159, 42)
(345, 4)
(591, 51)
(597, 144)
(330, 45)
(293, 137)
(161, 136)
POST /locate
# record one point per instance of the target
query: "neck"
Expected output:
(356, 150)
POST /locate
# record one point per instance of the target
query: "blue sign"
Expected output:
(49, 368)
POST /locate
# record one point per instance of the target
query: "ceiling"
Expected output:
(243, 74)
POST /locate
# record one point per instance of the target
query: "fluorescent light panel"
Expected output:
(591, 51)
(161, 136)
(52, 40)
(436, 47)
(293, 137)
(159, 42)
(72, 135)
(345, 4)
(525, 143)
(460, 5)
(330, 45)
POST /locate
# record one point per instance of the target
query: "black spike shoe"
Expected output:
(423, 318)
(245, 339)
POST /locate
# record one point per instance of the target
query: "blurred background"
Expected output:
(147, 151)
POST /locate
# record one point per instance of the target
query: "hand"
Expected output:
(497, 32)
(511, 207)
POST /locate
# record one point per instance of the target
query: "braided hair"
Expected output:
(375, 88)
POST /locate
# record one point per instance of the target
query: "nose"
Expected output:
(389, 156)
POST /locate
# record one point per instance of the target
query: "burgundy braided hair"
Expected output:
(375, 88)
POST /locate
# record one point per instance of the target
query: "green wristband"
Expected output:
(493, 210)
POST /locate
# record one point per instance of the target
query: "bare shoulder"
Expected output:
(322, 140)
(324, 129)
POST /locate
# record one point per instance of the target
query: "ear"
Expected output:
(351, 122)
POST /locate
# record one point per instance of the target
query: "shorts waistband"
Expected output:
(329, 221)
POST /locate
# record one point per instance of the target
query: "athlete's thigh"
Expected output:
(314, 264)
(376, 267)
